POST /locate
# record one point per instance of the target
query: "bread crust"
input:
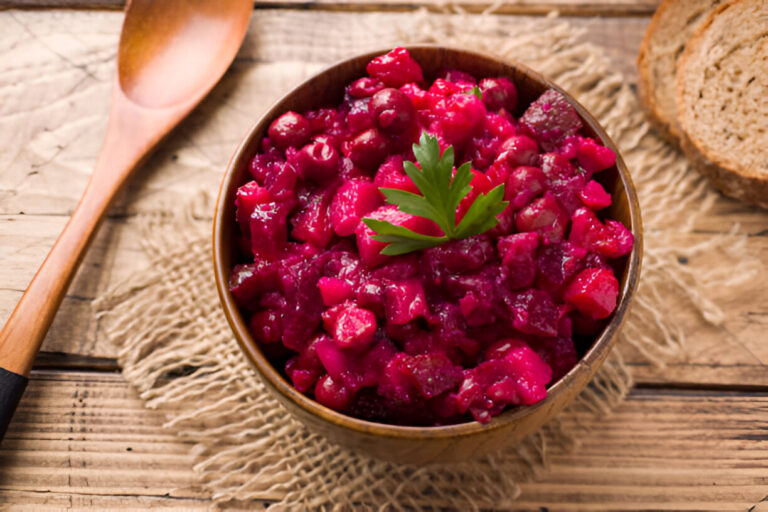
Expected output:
(739, 182)
(648, 100)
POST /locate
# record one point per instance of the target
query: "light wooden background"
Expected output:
(693, 437)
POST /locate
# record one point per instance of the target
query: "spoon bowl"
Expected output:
(159, 68)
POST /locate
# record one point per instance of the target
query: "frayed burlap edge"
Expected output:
(176, 348)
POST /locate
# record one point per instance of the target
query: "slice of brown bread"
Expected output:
(663, 44)
(721, 93)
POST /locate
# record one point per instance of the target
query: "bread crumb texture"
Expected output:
(722, 88)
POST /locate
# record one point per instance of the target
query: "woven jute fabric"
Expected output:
(176, 348)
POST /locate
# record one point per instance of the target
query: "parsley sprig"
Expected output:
(441, 192)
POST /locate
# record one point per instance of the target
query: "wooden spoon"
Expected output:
(171, 54)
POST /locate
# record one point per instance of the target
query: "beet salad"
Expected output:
(417, 255)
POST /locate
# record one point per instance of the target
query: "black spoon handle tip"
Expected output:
(12, 386)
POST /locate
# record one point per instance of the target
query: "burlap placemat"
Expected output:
(176, 349)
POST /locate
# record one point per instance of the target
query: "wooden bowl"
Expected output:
(421, 445)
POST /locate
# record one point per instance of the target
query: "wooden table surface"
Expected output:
(693, 436)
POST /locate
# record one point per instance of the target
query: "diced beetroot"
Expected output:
(265, 326)
(405, 301)
(397, 268)
(594, 196)
(393, 110)
(365, 87)
(450, 334)
(333, 394)
(402, 332)
(456, 76)
(246, 199)
(498, 173)
(391, 175)
(499, 93)
(519, 150)
(281, 182)
(481, 151)
(425, 376)
(368, 150)
(442, 88)
(344, 264)
(395, 383)
(332, 313)
(303, 309)
(370, 249)
(524, 184)
(395, 68)
(556, 168)
(476, 309)
(518, 253)
(499, 126)
(611, 240)
(585, 325)
(544, 216)
(272, 300)
(625, 240)
(563, 180)
(499, 349)
(303, 380)
(318, 161)
(560, 352)
(520, 378)
(355, 370)
(334, 290)
(305, 368)
(370, 295)
(534, 374)
(261, 165)
(248, 281)
(460, 118)
(312, 223)
(593, 292)
(558, 263)
(458, 256)
(268, 230)
(550, 119)
(360, 116)
(354, 328)
(417, 95)
(594, 157)
(477, 293)
(353, 200)
(289, 130)
(534, 312)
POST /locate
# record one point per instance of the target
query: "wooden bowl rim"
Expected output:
(273, 378)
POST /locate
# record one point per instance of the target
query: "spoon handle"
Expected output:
(12, 386)
(22, 335)
(25, 330)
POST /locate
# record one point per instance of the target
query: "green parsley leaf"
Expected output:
(441, 192)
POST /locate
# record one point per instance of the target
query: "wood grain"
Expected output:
(573, 7)
(88, 438)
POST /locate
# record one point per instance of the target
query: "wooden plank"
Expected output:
(57, 80)
(87, 436)
(568, 7)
